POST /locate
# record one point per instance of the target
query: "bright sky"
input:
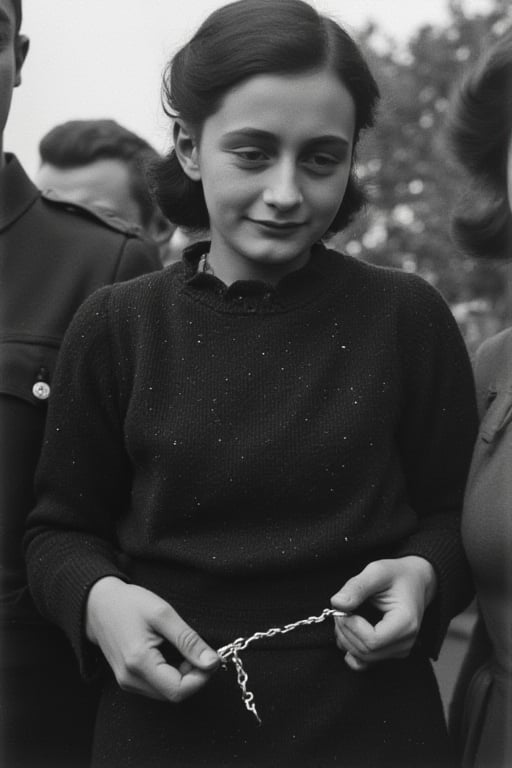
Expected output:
(104, 58)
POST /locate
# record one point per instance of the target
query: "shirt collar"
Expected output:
(294, 289)
(193, 254)
(17, 192)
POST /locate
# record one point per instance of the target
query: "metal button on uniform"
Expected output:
(41, 390)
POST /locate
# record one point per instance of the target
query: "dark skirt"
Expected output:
(47, 712)
(315, 713)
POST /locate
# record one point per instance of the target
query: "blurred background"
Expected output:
(412, 180)
(104, 59)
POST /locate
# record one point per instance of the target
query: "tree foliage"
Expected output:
(412, 180)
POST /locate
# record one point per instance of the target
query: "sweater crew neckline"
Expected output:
(295, 289)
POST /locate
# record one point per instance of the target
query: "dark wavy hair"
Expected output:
(76, 143)
(480, 130)
(16, 4)
(241, 40)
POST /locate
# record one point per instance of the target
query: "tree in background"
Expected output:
(412, 179)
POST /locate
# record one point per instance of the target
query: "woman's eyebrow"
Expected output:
(333, 140)
(329, 141)
(250, 133)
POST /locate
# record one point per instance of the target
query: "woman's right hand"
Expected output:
(129, 624)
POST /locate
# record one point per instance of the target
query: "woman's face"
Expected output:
(274, 162)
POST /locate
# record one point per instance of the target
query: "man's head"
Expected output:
(13, 49)
(103, 164)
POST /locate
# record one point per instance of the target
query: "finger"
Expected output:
(179, 684)
(170, 625)
(136, 676)
(140, 687)
(185, 667)
(358, 633)
(369, 647)
(345, 643)
(160, 680)
(354, 663)
(356, 590)
(398, 650)
(395, 626)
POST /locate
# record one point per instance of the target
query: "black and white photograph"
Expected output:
(255, 384)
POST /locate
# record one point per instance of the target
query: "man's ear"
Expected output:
(21, 44)
(160, 229)
(186, 150)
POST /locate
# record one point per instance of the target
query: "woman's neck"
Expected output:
(231, 269)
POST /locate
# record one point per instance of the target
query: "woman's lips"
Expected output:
(277, 226)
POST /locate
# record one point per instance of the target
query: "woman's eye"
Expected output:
(251, 155)
(322, 163)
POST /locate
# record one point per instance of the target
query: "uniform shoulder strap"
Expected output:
(100, 216)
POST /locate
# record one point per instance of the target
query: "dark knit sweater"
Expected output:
(248, 449)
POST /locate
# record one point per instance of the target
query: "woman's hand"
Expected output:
(400, 589)
(129, 623)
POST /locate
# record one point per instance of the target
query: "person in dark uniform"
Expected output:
(53, 254)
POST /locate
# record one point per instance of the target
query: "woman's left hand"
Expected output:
(400, 589)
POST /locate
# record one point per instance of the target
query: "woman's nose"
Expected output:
(283, 190)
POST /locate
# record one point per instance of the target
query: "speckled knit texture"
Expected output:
(249, 448)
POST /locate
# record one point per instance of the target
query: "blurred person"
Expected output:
(100, 163)
(277, 427)
(52, 256)
(480, 128)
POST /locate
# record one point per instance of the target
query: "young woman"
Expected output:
(481, 129)
(264, 430)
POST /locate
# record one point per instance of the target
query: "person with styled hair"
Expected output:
(278, 437)
(480, 126)
(102, 164)
(480, 129)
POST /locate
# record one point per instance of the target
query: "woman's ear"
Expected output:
(186, 150)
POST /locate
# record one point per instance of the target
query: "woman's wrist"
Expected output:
(95, 598)
(427, 574)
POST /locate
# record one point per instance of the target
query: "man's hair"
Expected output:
(78, 143)
(17, 13)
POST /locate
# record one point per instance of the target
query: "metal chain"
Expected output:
(241, 677)
(231, 652)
